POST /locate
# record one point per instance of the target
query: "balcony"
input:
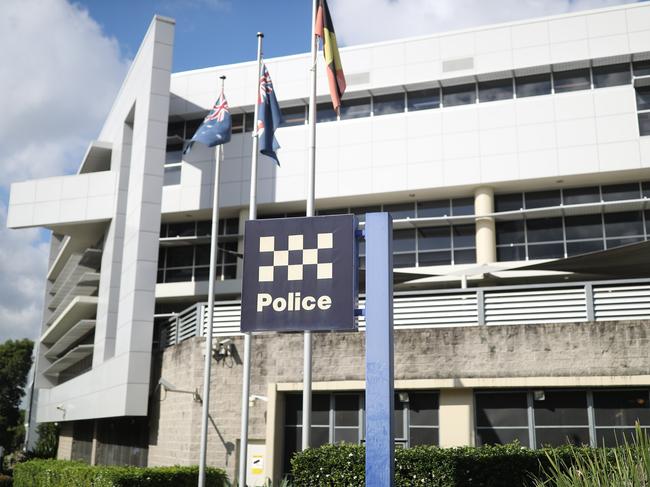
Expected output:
(502, 305)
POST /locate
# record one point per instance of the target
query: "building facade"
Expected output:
(515, 162)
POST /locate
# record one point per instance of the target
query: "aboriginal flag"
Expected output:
(335, 76)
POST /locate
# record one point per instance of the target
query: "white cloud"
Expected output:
(62, 76)
(361, 21)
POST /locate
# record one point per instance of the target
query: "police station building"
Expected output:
(515, 162)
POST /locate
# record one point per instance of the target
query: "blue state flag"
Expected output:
(269, 116)
(216, 127)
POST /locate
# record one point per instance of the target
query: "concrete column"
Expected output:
(486, 251)
(456, 417)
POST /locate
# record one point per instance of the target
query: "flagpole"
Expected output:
(252, 215)
(311, 185)
(210, 317)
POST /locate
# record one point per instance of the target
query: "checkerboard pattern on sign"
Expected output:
(309, 257)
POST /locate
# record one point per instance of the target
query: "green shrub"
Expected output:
(61, 473)
(5, 481)
(488, 466)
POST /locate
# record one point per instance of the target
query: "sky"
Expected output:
(65, 60)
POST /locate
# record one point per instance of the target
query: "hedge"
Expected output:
(488, 466)
(62, 473)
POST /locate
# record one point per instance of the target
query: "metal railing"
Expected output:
(523, 304)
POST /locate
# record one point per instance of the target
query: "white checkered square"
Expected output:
(265, 273)
(280, 257)
(267, 244)
(309, 256)
(325, 241)
(294, 272)
(295, 242)
(324, 271)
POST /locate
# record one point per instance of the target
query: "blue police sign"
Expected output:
(299, 274)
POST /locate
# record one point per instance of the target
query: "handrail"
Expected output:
(586, 301)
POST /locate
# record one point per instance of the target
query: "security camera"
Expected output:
(225, 342)
(224, 349)
(254, 397)
(167, 385)
(60, 407)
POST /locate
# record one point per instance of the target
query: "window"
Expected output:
(361, 211)
(612, 75)
(434, 238)
(458, 95)
(555, 417)
(501, 417)
(500, 89)
(545, 238)
(624, 224)
(535, 85)
(510, 232)
(385, 104)
(294, 116)
(404, 248)
(641, 68)
(423, 99)
(339, 417)
(401, 211)
(615, 413)
(644, 123)
(584, 227)
(248, 122)
(462, 206)
(508, 202)
(356, 108)
(561, 417)
(577, 196)
(617, 192)
(172, 175)
(176, 129)
(191, 126)
(237, 123)
(576, 79)
(432, 209)
(643, 98)
(542, 199)
(325, 112)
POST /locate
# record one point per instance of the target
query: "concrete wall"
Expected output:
(456, 359)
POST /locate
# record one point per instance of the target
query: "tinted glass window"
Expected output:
(431, 209)
(325, 112)
(614, 75)
(406, 210)
(320, 409)
(434, 238)
(546, 251)
(544, 229)
(294, 116)
(625, 224)
(621, 408)
(583, 226)
(510, 253)
(202, 255)
(576, 79)
(458, 95)
(180, 256)
(464, 235)
(356, 108)
(643, 97)
(237, 123)
(361, 211)
(561, 436)
(616, 192)
(248, 122)
(404, 260)
(403, 240)
(191, 126)
(641, 68)
(385, 104)
(502, 409)
(502, 436)
(500, 89)
(576, 196)
(464, 256)
(423, 99)
(644, 123)
(541, 199)
(561, 408)
(462, 206)
(583, 247)
(442, 257)
(172, 176)
(176, 128)
(184, 229)
(535, 85)
(508, 202)
(423, 409)
(346, 410)
(645, 189)
(510, 232)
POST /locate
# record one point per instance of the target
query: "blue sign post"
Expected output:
(380, 453)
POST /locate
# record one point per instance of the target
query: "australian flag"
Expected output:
(269, 116)
(216, 127)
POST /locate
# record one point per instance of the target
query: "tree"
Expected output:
(15, 362)
(48, 440)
